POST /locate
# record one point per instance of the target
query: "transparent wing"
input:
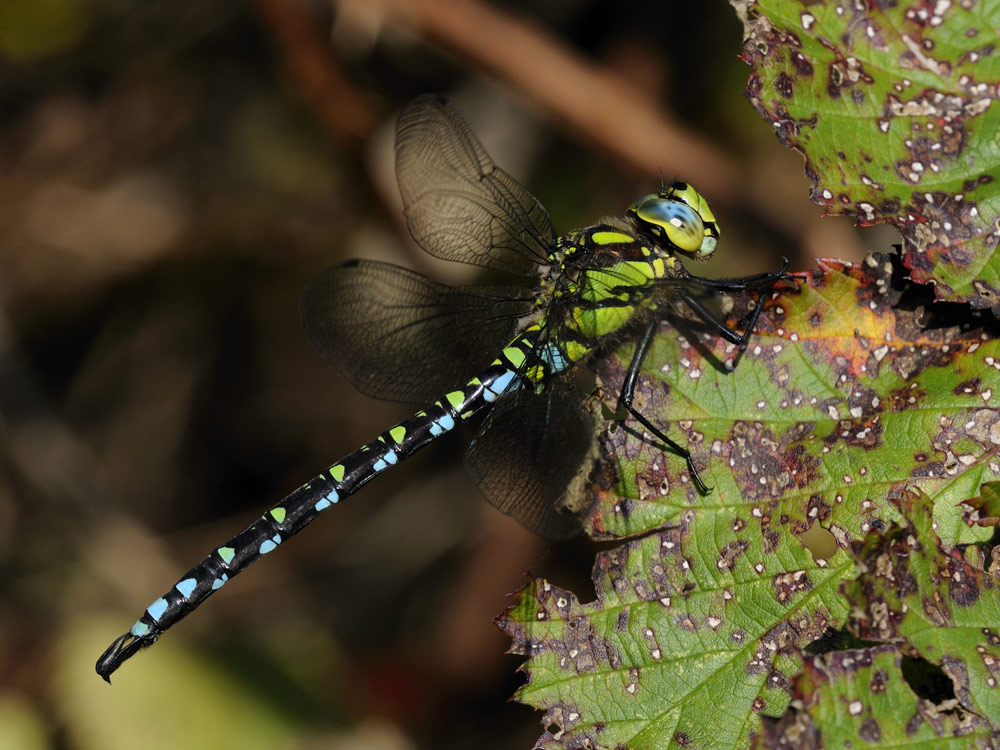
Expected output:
(397, 335)
(528, 452)
(459, 205)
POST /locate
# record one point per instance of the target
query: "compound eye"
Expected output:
(677, 222)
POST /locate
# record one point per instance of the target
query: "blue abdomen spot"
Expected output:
(267, 546)
(186, 586)
(329, 499)
(156, 609)
(499, 386)
(139, 629)
(442, 425)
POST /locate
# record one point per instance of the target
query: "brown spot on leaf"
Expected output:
(730, 553)
(959, 674)
(890, 207)
(778, 681)
(983, 426)
(869, 731)
(935, 609)
(621, 624)
(963, 587)
(879, 681)
(766, 466)
(787, 585)
(802, 65)
(912, 360)
(967, 387)
(760, 662)
(684, 622)
(817, 509)
(784, 86)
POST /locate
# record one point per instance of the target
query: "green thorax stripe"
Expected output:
(607, 291)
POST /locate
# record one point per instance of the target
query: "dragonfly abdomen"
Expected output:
(341, 480)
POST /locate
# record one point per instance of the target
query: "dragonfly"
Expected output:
(396, 334)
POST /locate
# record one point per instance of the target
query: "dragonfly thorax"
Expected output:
(600, 278)
(597, 281)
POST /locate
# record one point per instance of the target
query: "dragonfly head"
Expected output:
(679, 217)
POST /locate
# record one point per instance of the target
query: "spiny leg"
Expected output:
(627, 393)
(760, 280)
(739, 339)
(746, 282)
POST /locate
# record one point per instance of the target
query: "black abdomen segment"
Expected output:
(297, 510)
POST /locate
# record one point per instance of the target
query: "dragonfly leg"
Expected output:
(627, 393)
(746, 282)
(739, 339)
(760, 280)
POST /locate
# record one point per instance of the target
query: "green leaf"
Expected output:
(676, 647)
(937, 601)
(853, 390)
(859, 698)
(894, 106)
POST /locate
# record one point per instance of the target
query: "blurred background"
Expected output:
(172, 174)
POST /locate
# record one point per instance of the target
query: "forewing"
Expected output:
(529, 451)
(397, 335)
(459, 205)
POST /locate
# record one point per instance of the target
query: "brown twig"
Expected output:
(600, 107)
(315, 71)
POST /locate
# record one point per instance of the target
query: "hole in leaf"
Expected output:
(927, 680)
(820, 542)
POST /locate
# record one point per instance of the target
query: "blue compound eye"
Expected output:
(672, 216)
